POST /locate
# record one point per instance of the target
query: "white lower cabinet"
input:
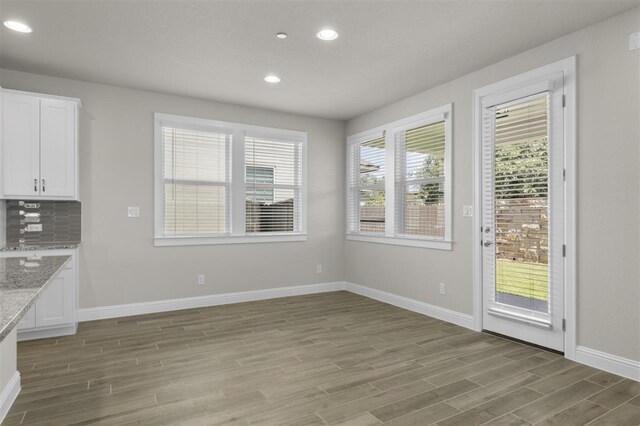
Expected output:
(55, 305)
(55, 312)
(29, 320)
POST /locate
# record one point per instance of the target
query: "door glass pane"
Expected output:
(521, 188)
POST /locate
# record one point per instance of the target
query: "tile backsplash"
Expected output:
(60, 221)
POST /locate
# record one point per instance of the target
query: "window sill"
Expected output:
(238, 239)
(399, 241)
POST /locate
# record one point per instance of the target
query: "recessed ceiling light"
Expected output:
(18, 26)
(271, 78)
(281, 36)
(327, 34)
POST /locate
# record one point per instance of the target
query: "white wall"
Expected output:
(119, 263)
(608, 189)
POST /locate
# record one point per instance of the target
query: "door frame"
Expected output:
(568, 67)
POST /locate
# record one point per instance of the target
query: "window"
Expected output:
(399, 185)
(367, 160)
(220, 182)
(195, 181)
(420, 175)
(273, 182)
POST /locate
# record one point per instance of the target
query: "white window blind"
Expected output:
(516, 147)
(273, 185)
(196, 178)
(420, 181)
(366, 210)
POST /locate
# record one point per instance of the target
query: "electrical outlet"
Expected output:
(319, 269)
(200, 279)
(133, 211)
(443, 288)
(634, 41)
(467, 211)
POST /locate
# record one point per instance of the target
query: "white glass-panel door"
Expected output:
(522, 214)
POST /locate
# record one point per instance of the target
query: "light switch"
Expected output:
(133, 211)
(467, 211)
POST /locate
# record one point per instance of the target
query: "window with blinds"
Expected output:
(399, 189)
(195, 176)
(273, 185)
(367, 186)
(218, 182)
(420, 178)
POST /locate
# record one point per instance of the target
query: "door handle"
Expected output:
(44, 187)
(35, 185)
(487, 243)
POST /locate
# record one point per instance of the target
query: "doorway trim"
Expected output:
(568, 67)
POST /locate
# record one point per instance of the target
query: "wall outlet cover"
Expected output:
(133, 211)
(467, 211)
(634, 41)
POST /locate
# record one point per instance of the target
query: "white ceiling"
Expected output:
(221, 50)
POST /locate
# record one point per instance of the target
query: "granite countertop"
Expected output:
(39, 246)
(22, 280)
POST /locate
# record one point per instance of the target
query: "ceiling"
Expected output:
(221, 50)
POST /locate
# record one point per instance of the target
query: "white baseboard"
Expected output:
(608, 362)
(117, 311)
(443, 314)
(27, 334)
(9, 395)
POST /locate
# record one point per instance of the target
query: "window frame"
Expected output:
(389, 130)
(237, 186)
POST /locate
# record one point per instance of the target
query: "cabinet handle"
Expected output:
(35, 185)
(44, 188)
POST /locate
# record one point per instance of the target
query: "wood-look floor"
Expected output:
(333, 358)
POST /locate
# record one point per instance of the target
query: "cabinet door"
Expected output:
(57, 148)
(28, 320)
(21, 145)
(56, 305)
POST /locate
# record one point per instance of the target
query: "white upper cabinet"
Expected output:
(21, 145)
(57, 148)
(39, 146)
